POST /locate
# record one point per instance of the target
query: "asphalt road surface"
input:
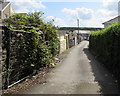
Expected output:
(79, 73)
(0, 68)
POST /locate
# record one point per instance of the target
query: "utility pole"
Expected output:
(78, 31)
(78, 25)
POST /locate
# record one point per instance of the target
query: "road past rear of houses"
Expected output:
(79, 73)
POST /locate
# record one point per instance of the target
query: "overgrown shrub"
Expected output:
(105, 44)
(32, 45)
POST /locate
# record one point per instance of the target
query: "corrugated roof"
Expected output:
(3, 5)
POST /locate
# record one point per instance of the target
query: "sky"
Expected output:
(91, 13)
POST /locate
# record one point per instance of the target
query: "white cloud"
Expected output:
(110, 3)
(111, 6)
(106, 13)
(25, 5)
(93, 18)
(88, 17)
(69, 11)
(57, 21)
(82, 13)
(109, 10)
(71, 0)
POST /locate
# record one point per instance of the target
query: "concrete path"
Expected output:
(79, 73)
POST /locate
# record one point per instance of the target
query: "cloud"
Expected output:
(106, 13)
(82, 13)
(90, 17)
(57, 21)
(110, 7)
(69, 11)
(110, 4)
(71, 0)
(25, 5)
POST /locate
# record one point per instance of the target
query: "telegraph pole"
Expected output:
(78, 25)
(78, 31)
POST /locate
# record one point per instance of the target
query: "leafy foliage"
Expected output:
(33, 44)
(105, 44)
(23, 21)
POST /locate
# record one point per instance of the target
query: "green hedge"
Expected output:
(28, 44)
(105, 44)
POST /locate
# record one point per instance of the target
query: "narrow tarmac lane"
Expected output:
(79, 73)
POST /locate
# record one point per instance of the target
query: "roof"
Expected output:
(111, 19)
(3, 5)
(85, 31)
(80, 28)
(76, 31)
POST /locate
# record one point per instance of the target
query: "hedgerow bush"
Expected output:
(32, 44)
(105, 45)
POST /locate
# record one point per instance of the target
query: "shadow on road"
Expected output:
(105, 79)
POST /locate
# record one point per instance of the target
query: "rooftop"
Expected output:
(112, 19)
(3, 5)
